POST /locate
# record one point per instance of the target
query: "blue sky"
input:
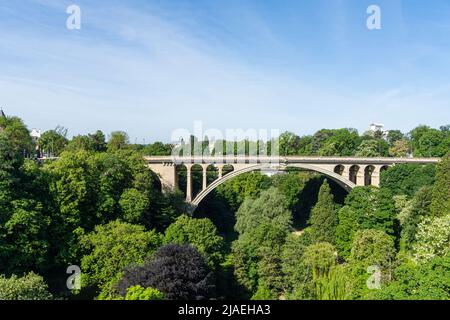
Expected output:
(150, 67)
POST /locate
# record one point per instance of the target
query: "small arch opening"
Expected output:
(197, 179)
(181, 172)
(212, 174)
(368, 175)
(228, 168)
(339, 169)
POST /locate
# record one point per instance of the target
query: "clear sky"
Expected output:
(150, 67)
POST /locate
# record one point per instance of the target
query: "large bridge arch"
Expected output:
(345, 183)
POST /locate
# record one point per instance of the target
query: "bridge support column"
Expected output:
(346, 172)
(376, 176)
(361, 176)
(205, 176)
(168, 175)
(189, 183)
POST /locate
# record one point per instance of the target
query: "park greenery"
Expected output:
(289, 236)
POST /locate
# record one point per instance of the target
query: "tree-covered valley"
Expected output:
(290, 236)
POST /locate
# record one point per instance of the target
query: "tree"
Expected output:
(140, 293)
(270, 207)
(111, 248)
(416, 210)
(394, 136)
(118, 140)
(17, 134)
(400, 148)
(244, 186)
(270, 282)
(74, 189)
(87, 187)
(319, 258)
(429, 142)
(252, 259)
(372, 148)
(80, 143)
(134, 205)
(23, 219)
(324, 216)
(333, 285)
(440, 204)
(427, 281)
(290, 186)
(28, 287)
(319, 139)
(298, 282)
(25, 239)
(305, 146)
(200, 233)
(365, 208)
(417, 133)
(373, 248)
(264, 293)
(53, 142)
(342, 142)
(166, 207)
(98, 141)
(327, 280)
(179, 272)
(407, 178)
(158, 149)
(433, 238)
(10, 162)
(289, 144)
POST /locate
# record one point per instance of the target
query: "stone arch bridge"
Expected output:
(347, 172)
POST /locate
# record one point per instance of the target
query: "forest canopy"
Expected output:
(295, 235)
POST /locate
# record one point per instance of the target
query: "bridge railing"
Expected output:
(287, 160)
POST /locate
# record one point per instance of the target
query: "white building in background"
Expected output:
(35, 134)
(378, 127)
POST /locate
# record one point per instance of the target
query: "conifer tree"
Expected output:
(324, 216)
(440, 204)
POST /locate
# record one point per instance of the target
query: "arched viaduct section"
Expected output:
(345, 183)
(347, 172)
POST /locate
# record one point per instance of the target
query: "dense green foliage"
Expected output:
(140, 293)
(241, 188)
(111, 248)
(324, 216)
(28, 287)
(53, 142)
(294, 235)
(268, 208)
(365, 208)
(440, 204)
(429, 281)
(407, 179)
(200, 233)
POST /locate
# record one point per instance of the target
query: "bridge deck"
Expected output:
(287, 160)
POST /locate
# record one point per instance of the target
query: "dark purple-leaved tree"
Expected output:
(180, 272)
